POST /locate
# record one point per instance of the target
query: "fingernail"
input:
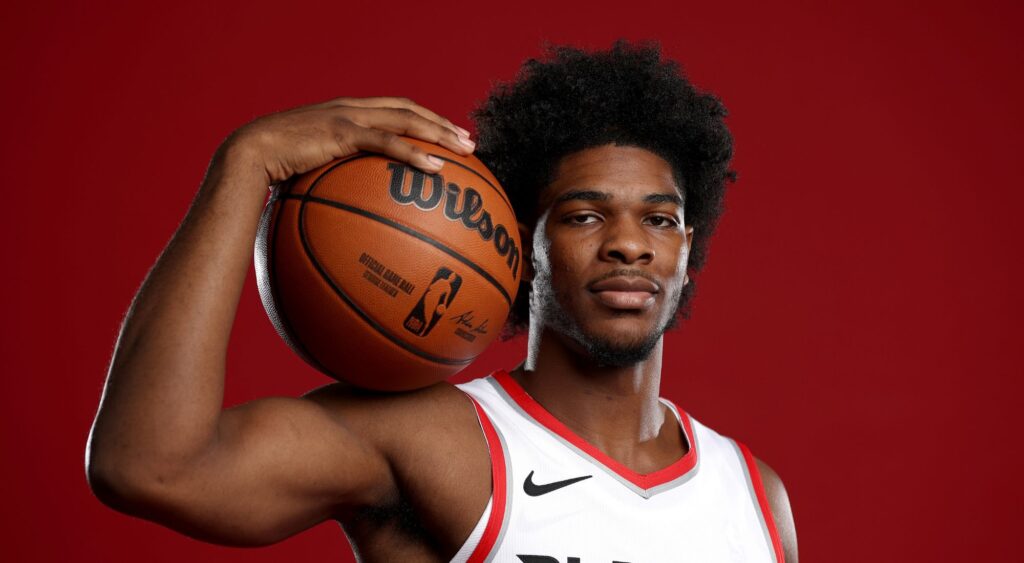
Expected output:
(465, 141)
(464, 132)
(436, 162)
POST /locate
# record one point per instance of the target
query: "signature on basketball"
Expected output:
(465, 321)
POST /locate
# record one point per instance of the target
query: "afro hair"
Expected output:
(570, 99)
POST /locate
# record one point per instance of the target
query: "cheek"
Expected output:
(539, 252)
(569, 258)
(675, 273)
(676, 256)
(684, 258)
(557, 253)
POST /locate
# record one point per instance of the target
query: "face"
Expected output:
(609, 253)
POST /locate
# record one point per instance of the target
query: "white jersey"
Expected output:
(558, 499)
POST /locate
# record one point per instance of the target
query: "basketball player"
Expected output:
(438, 293)
(569, 457)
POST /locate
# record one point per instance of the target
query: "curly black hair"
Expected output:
(570, 99)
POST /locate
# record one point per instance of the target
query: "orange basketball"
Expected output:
(384, 276)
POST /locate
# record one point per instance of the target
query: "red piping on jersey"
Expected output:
(498, 494)
(643, 480)
(762, 499)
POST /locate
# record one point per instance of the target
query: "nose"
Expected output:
(626, 243)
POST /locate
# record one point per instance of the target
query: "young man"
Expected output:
(571, 456)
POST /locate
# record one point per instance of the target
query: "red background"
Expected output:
(856, 324)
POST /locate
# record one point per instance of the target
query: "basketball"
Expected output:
(387, 277)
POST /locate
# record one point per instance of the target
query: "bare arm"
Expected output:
(782, 513)
(161, 446)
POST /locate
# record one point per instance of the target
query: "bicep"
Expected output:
(782, 512)
(277, 467)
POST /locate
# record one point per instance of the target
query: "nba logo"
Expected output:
(434, 302)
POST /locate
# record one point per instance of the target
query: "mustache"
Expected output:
(627, 273)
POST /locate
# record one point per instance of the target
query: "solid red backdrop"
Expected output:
(856, 324)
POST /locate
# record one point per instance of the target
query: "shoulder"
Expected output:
(431, 440)
(774, 489)
(391, 419)
(782, 513)
(418, 432)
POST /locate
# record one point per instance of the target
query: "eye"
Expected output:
(663, 222)
(582, 219)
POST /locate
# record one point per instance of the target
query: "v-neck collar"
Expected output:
(644, 484)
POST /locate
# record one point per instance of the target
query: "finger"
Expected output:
(390, 144)
(403, 103)
(411, 124)
(410, 105)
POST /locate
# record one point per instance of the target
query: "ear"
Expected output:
(689, 245)
(526, 238)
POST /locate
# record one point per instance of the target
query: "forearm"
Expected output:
(160, 415)
(165, 386)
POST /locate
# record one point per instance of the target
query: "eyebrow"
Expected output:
(583, 195)
(663, 198)
(593, 195)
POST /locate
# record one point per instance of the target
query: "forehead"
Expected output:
(624, 172)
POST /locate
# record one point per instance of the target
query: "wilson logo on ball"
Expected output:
(434, 302)
(465, 205)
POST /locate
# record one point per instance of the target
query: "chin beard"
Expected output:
(618, 354)
(604, 352)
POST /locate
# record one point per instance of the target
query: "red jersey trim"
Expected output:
(642, 480)
(499, 494)
(762, 499)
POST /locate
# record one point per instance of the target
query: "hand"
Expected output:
(292, 142)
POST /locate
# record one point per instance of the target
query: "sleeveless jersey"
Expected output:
(558, 499)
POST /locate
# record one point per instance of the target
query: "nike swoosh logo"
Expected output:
(535, 490)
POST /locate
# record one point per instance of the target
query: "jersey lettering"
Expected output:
(550, 559)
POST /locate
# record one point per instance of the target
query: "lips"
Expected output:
(623, 292)
(623, 283)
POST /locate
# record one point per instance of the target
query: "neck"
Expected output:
(614, 408)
